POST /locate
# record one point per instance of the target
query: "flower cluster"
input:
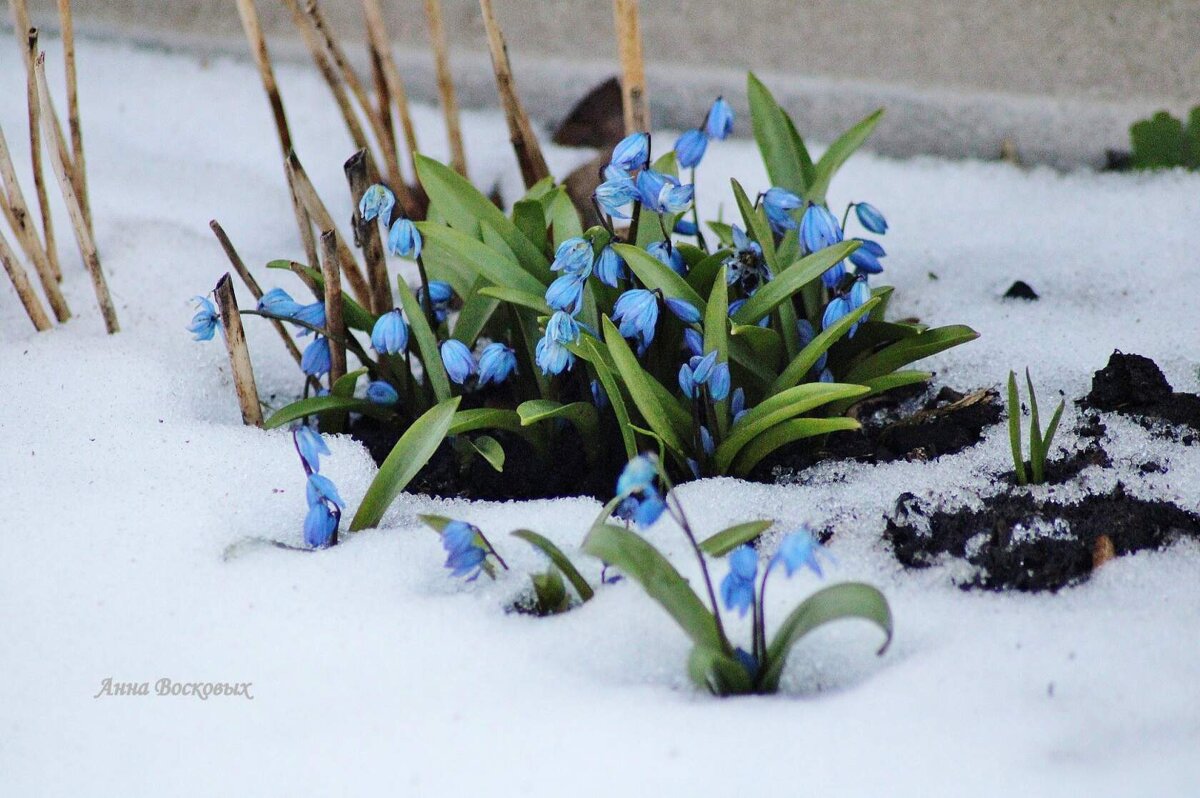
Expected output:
(718, 124)
(324, 504)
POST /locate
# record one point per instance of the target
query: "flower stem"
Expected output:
(681, 519)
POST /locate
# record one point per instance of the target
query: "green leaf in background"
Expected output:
(345, 385)
(1014, 429)
(550, 592)
(320, 405)
(784, 155)
(645, 565)
(702, 277)
(515, 296)
(783, 433)
(582, 414)
(637, 381)
(910, 350)
(530, 218)
(616, 400)
(834, 603)
(791, 280)
(803, 363)
(716, 337)
(1162, 142)
(713, 670)
(490, 450)
(727, 540)
(837, 154)
(547, 547)
(498, 267)
(354, 315)
(427, 344)
(477, 418)
(408, 456)
(476, 311)
(562, 216)
(655, 274)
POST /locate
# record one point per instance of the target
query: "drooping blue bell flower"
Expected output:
(616, 192)
(312, 314)
(641, 500)
(693, 341)
(835, 310)
(377, 201)
(278, 302)
(826, 376)
(390, 333)
(382, 393)
(632, 152)
(497, 363)
(464, 550)
(800, 550)
(779, 204)
(599, 397)
(718, 382)
(685, 311)
(311, 446)
(668, 255)
(807, 334)
(610, 267)
(702, 367)
(737, 588)
(689, 148)
(563, 328)
(566, 292)
(687, 381)
(684, 227)
(206, 321)
(320, 525)
(706, 441)
(552, 357)
(676, 199)
(404, 240)
(737, 405)
(871, 218)
(866, 257)
(456, 357)
(637, 476)
(719, 124)
(315, 361)
(440, 292)
(573, 256)
(637, 313)
(320, 488)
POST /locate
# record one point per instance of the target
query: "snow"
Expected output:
(129, 475)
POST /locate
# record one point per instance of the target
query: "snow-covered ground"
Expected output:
(127, 474)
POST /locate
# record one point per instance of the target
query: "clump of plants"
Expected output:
(1164, 142)
(1039, 439)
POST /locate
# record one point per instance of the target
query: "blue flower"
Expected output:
(860, 294)
(321, 489)
(693, 341)
(871, 218)
(599, 397)
(706, 441)
(687, 381)
(552, 357)
(637, 312)
(685, 311)
(807, 334)
(562, 328)
(573, 256)
(457, 359)
(799, 550)
(737, 405)
(315, 360)
(632, 152)
(313, 315)
(205, 322)
(320, 525)
(278, 302)
(719, 124)
(866, 257)
(689, 148)
(819, 229)
(684, 227)
(650, 185)
(440, 291)
(610, 267)
(702, 367)
(676, 198)
(390, 334)
(737, 588)
(642, 510)
(779, 203)
(835, 310)
(617, 191)
(404, 240)
(496, 363)
(742, 243)
(641, 500)
(826, 376)
(637, 476)
(718, 382)
(377, 201)
(310, 445)
(382, 393)
(566, 292)
(464, 550)
(668, 255)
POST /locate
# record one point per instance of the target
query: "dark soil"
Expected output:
(1021, 290)
(1135, 386)
(1077, 537)
(919, 424)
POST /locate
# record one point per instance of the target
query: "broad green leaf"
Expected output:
(615, 398)
(791, 280)
(741, 353)
(346, 384)
(476, 311)
(654, 274)
(642, 563)
(757, 225)
(803, 363)
(884, 294)
(427, 345)
(878, 385)
(530, 219)
(550, 593)
(582, 414)
(723, 232)
(834, 603)
(716, 337)
(702, 277)
(354, 315)
(497, 267)
(562, 216)
(638, 382)
(1036, 456)
(910, 350)
(408, 457)
(783, 433)
(437, 523)
(536, 302)
(540, 189)
(781, 153)
(780, 407)
(727, 540)
(320, 405)
(798, 146)
(556, 556)
(490, 450)
(477, 418)
(764, 343)
(838, 152)
(718, 673)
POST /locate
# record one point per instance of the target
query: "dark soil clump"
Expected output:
(1021, 290)
(1135, 386)
(1019, 542)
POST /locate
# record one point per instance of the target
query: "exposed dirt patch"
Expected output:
(1018, 542)
(1135, 386)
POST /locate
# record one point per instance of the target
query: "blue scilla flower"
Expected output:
(719, 124)
(456, 357)
(599, 397)
(641, 500)
(718, 382)
(404, 240)
(278, 302)
(441, 294)
(819, 228)
(702, 367)
(311, 446)
(706, 441)
(562, 328)
(637, 312)
(685, 311)
(668, 255)
(689, 148)
(632, 152)
(315, 361)
(737, 405)
(826, 376)
(566, 292)
(649, 185)
(859, 295)
(866, 257)
(382, 393)
(313, 315)
(779, 204)
(377, 201)
(320, 525)
(685, 227)
(743, 243)
(205, 322)
(676, 199)
(552, 357)
(737, 588)
(637, 476)
(497, 362)
(807, 334)
(464, 549)
(687, 381)
(573, 256)
(610, 267)
(320, 488)
(616, 192)
(800, 550)
(871, 218)
(693, 341)
(838, 307)
(390, 334)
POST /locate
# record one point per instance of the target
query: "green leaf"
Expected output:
(716, 337)
(476, 311)
(536, 302)
(497, 267)
(723, 232)
(783, 155)
(550, 592)
(834, 603)
(477, 418)
(878, 385)
(783, 433)
(615, 399)
(718, 673)
(490, 450)
(427, 344)
(346, 384)
(910, 350)
(355, 316)
(791, 280)
(638, 383)
(582, 414)
(765, 345)
(408, 456)
(655, 274)
(803, 363)
(702, 277)
(320, 405)
(727, 540)
(559, 559)
(756, 223)
(1157, 142)
(837, 154)
(1014, 429)
(530, 219)
(642, 563)
(562, 216)
(780, 407)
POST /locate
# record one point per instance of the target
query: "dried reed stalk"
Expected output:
(20, 281)
(16, 212)
(361, 173)
(383, 109)
(525, 144)
(441, 56)
(67, 29)
(633, 67)
(334, 324)
(262, 57)
(381, 43)
(239, 354)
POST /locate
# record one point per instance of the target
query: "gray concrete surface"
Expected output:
(1061, 79)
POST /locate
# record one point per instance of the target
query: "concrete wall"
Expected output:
(1061, 78)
